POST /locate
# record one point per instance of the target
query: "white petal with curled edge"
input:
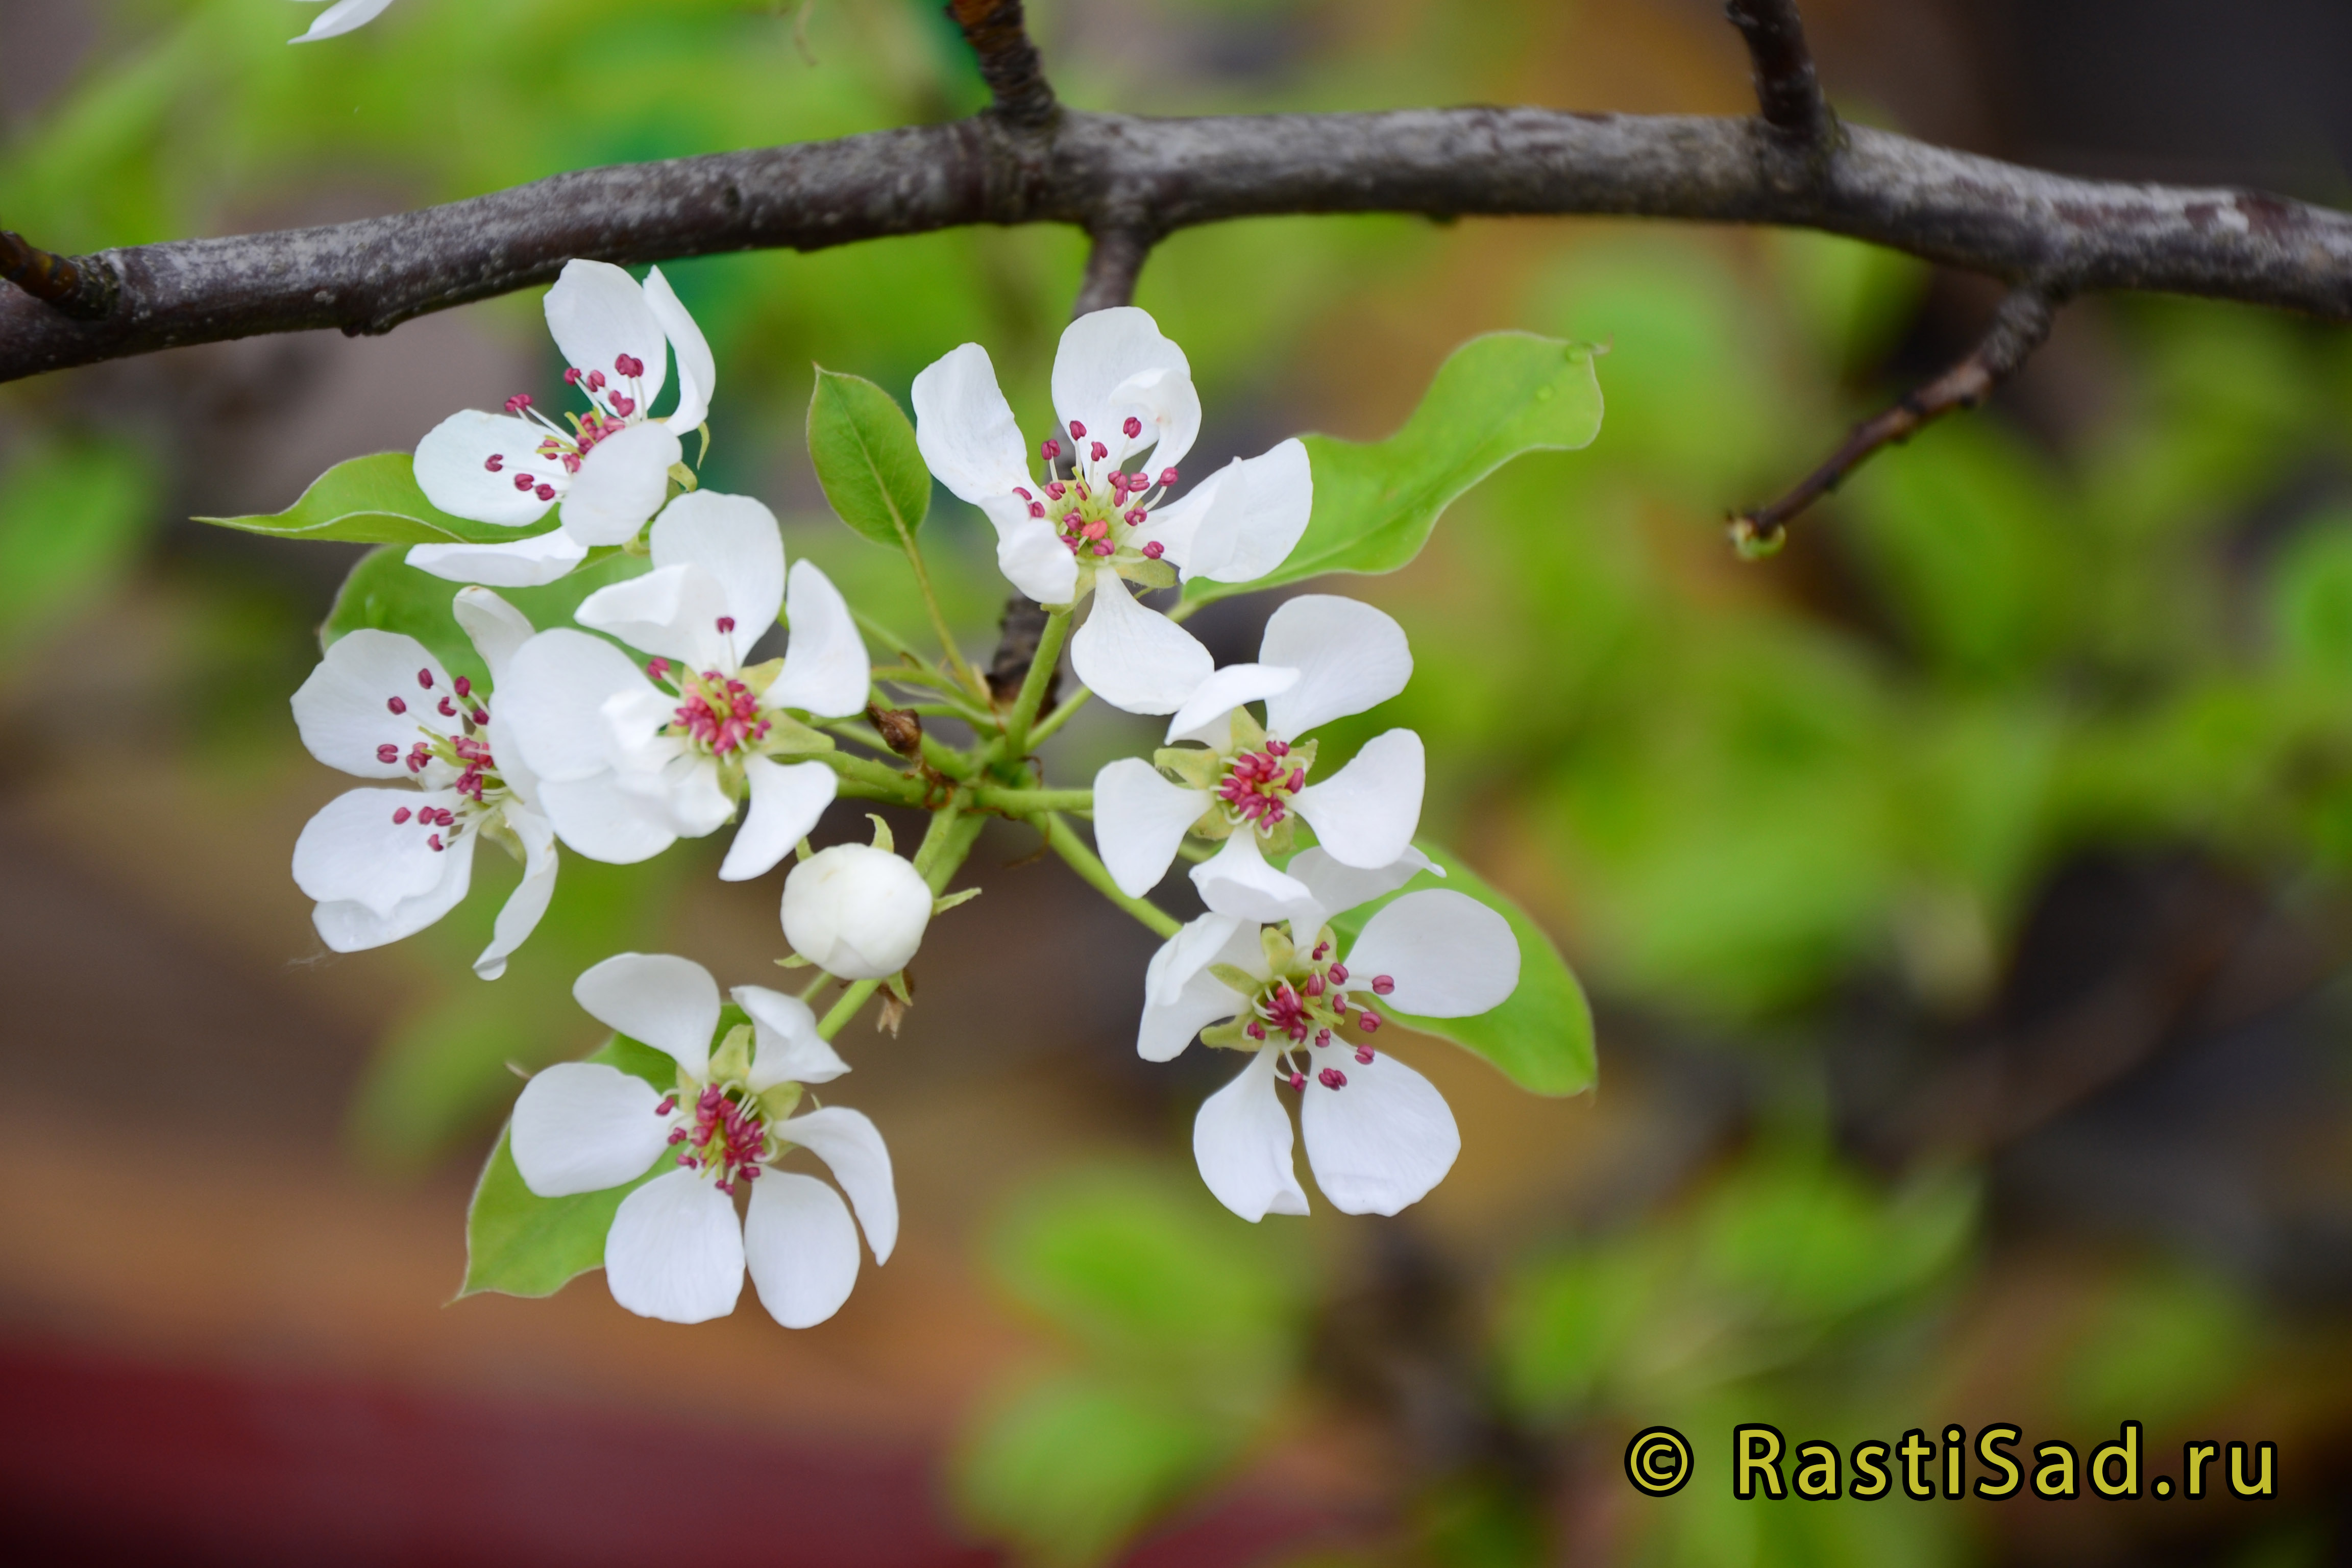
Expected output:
(1241, 1140)
(1199, 942)
(698, 372)
(520, 914)
(350, 926)
(596, 313)
(453, 468)
(553, 702)
(787, 1047)
(1450, 955)
(1030, 554)
(1365, 815)
(1205, 713)
(1167, 1028)
(1260, 513)
(675, 1251)
(669, 1003)
(852, 1148)
(1136, 658)
(343, 16)
(965, 429)
(827, 671)
(801, 1247)
(1382, 1140)
(496, 628)
(1237, 881)
(1101, 373)
(532, 562)
(1177, 524)
(1332, 886)
(353, 850)
(621, 483)
(599, 819)
(1139, 822)
(1350, 657)
(786, 799)
(673, 611)
(344, 710)
(735, 540)
(580, 1127)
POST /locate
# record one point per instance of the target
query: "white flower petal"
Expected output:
(786, 1047)
(1199, 942)
(1136, 658)
(698, 372)
(857, 911)
(1237, 881)
(496, 628)
(621, 483)
(1332, 886)
(1258, 514)
(736, 540)
(675, 1251)
(350, 926)
(1241, 1140)
(1381, 1141)
(519, 916)
(1030, 554)
(604, 822)
(852, 1148)
(1450, 955)
(1169, 1026)
(827, 671)
(553, 702)
(1365, 815)
(1139, 822)
(802, 1248)
(596, 313)
(1206, 713)
(353, 850)
(965, 429)
(343, 16)
(657, 999)
(580, 1127)
(532, 562)
(344, 710)
(453, 469)
(1103, 372)
(1350, 657)
(673, 611)
(784, 803)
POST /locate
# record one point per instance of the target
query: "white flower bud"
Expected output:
(856, 912)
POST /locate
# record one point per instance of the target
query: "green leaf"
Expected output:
(1494, 397)
(384, 593)
(375, 501)
(72, 516)
(866, 460)
(1541, 1036)
(519, 1244)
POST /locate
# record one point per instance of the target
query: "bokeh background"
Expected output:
(1963, 894)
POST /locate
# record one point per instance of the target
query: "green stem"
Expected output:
(1030, 802)
(1033, 688)
(846, 1008)
(1084, 861)
(964, 672)
(1059, 716)
(891, 639)
(875, 781)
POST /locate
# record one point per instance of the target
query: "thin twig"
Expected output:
(1112, 268)
(1008, 61)
(1788, 93)
(83, 290)
(2018, 329)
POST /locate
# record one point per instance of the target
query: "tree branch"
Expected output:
(1788, 93)
(2017, 330)
(1112, 268)
(83, 290)
(1008, 61)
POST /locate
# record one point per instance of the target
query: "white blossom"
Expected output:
(631, 760)
(1379, 1135)
(1091, 526)
(1322, 658)
(856, 911)
(675, 1251)
(385, 863)
(343, 16)
(610, 471)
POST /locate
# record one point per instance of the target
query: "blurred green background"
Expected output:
(1963, 891)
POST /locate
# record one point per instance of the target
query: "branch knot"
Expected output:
(84, 288)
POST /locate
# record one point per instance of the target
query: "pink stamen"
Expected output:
(1022, 492)
(1077, 431)
(1133, 426)
(1049, 450)
(496, 461)
(726, 624)
(424, 678)
(397, 704)
(545, 492)
(1102, 547)
(403, 815)
(465, 685)
(1153, 550)
(1298, 1081)
(1339, 971)
(1036, 509)
(595, 381)
(1098, 451)
(436, 842)
(524, 482)
(518, 402)
(1363, 1055)
(1167, 475)
(570, 378)
(629, 365)
(447, 708)
(1367, 1021)
(623, 407)
(387, 753)
(1331, 1077)
(1382, 985)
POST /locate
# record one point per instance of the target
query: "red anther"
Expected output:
(1095, 529)
(436, 842)
(1339, 971)
(595, 381)
(1297, 779)
(1153, 550)
(447, 709)
(397, 704)
(1072, 544)
(629, 364)
(1077, 431)
(1135, 518)
(1167, 475)
(1080, 486)
(1314, 986)
(1278, 748)
(518, 402)
(465, 685)
(1322, 1036)
(1363, 1055)
(424, 678)
(524, 482)
(1022, 492)
(400, 815)
(545, 492)
(387, 753)
(1036, 509)
(1382, 985)
(495, 462)
(727, 624)
(1056, 488)
(623, 407)
(1331, 1077)
(659, 668)
(1133, 426)
(1049, 450)
(478, 715)
(1255, 1030)
(1097, 451)
(749, 1172)
(1102, 546)
(1298, 1081)
(1367, 1021)
(570, 378)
